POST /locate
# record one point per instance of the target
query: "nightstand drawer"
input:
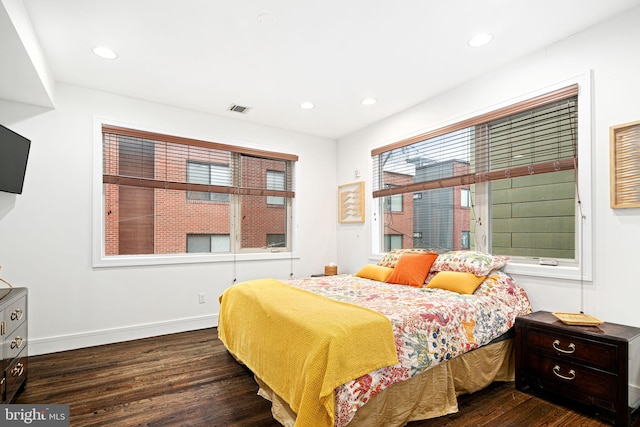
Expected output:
(574, 349)
(576, 381)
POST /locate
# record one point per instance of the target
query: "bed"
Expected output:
(396, 342)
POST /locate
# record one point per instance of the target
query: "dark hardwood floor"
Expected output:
(189, 379)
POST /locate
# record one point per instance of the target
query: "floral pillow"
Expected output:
(391, 258)
(478, 263)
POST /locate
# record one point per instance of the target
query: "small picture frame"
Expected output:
(624, 145)
(351, 202)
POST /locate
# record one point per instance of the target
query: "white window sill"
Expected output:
(141, 260)
(548, 271)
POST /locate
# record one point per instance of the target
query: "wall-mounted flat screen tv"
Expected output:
(14, 152)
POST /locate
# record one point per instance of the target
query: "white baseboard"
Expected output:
(634, 396)
(109, 336)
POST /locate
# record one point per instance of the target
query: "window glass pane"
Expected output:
(259, 221)
(220, 175)
(198, 173)
(431, 219)
(465, 198)
(157, 221)
(198, 243)
(275, 181)
(466, 240)
(276, 240)
(392, 241)
(534, 215)
(220, 243)
(439, 219)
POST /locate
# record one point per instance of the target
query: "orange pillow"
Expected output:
(456, 281)
(412, 269)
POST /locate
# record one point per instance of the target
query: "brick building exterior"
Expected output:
(144, 220)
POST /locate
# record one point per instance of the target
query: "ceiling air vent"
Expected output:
(238, 108)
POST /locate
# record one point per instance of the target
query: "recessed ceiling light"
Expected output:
(307, 105)
(480, 40)
(369, 101)
(105, 52)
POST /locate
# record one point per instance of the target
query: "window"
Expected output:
(466, 240)
(205, 173)
(518, 164)
(275, 181)
(394, 203)
(203, 243)
(392, 241)
(166, 195)
(465, 198)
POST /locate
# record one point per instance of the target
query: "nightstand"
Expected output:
(587, 364)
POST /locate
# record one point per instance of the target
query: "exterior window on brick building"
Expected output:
(466, 240)
(204, 243)
(275, 181)
(465, 198)
(205, 173)
(172, 195)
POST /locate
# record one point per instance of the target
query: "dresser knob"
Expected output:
(572, 347)
(572, 373)
(17, 314)
(17, 370)
(17, 342)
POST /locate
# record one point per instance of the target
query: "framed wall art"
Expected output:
(624, 146)
(351, 202)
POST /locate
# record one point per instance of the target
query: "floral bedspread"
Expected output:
(430, 325)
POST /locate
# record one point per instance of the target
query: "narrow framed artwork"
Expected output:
(624, 145)
(351, 202)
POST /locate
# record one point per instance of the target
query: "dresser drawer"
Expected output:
(15, 342)
(15, 375)
(15, 314)
(591, 386)
(573, 349)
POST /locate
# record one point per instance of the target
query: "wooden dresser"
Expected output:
(588, 364)
(13, 341)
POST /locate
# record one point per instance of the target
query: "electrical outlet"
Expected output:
(202, 298)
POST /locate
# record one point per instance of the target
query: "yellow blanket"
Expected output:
(303, 345)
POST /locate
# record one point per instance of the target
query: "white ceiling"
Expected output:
(205, 55)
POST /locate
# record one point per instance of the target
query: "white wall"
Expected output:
(46, 233)
(608, 51)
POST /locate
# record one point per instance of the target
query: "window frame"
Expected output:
(99, 259)
(582, 269)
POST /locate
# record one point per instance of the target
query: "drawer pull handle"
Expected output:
(17, 314)
(17, 342)
(17, 370)
(572, 373)
(572, 347)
